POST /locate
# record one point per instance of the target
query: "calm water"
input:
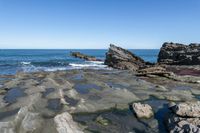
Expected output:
(12, 61)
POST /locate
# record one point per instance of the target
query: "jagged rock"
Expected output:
(184, 117)
(65, 124)
(187, 109)
(179, 54)
(120, 58)
(142, 110)
(83, 56)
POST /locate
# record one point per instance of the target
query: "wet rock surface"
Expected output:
(179, 54)
(98, 100)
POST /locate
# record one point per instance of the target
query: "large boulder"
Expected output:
(184, 118)
(179, 54)
(120, 58)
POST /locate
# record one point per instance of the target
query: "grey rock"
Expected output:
(120, 58)
(65, 124)
(142, 110)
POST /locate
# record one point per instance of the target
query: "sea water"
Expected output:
(29, 60)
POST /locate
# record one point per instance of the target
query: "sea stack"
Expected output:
(120, 58)
(179, 54)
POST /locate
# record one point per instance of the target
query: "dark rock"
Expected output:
(179, 54)
(83, 56)
(120, 58)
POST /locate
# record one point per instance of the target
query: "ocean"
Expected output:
(13, 61)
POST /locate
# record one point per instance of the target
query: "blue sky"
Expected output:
(97, 23)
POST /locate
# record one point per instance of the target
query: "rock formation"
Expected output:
(184, 118)
(65, 124)
(155, 70)
(83, 56)
(120, 58)
(142, 110)
(179, 54)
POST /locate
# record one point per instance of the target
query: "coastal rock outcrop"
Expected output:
(142, 110)
(120, 58)
(184, 117)
(179, 54)
(85, 57)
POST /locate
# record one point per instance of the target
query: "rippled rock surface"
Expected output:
(92, 100)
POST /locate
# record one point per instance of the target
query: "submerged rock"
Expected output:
(120, 58)
(102, 121)
(142, 110)
(65, 124)
(179, 54)
(83, 56)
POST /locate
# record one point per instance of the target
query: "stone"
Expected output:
(179, 54)
(120, 58)
(85, 57)
(176, 124)
(187, 109)
(184, 117)
(142, 110)
(65, 124)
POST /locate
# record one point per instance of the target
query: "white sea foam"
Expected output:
(25, 63)
(28, 67)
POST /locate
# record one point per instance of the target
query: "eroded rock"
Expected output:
(142, 110)
(187, 109)
(120, 58)
(184, 118)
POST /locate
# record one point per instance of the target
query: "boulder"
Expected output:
(120, 58)
(142, 110)
(184, 117)
(187, 109)
(85, 57)
(179, 54)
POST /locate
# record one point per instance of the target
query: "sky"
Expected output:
(94, 24)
